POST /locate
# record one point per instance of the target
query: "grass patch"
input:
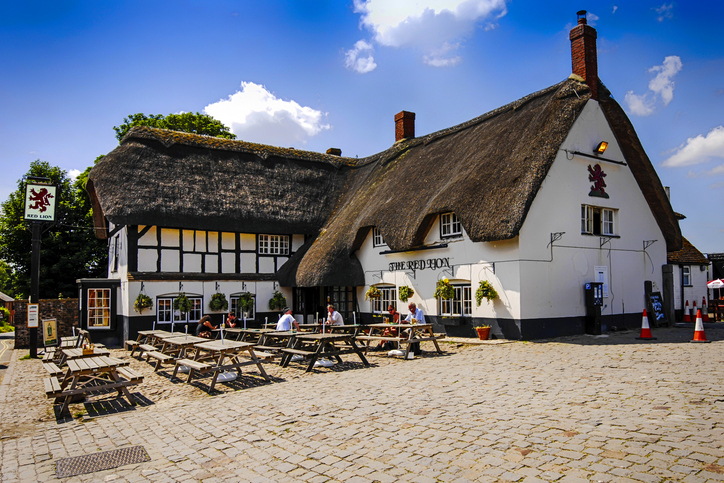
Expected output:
(6, 328)
(25, 357)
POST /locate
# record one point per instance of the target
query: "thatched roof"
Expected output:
(688, 255)
(487, 170)
(174, 179)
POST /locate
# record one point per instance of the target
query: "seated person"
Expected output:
(287, 321)
(204, 328)
(394, 319)
(333, 317)
(231, 320)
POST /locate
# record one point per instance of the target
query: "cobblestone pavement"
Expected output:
(565, 410)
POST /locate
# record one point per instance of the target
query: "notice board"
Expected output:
(655, 309)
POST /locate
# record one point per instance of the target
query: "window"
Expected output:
(389, 297)
(686, 275)
(274, 244)
(462, 304)
(165, 313)
(377, 240)
(449, 225)
(99, 307)
(597, 221)
(235, 308)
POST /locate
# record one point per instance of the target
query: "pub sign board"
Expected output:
(40, 202)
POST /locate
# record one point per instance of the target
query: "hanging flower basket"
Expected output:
(485, 291)
(278, 301)
(444, 290)
(218, 302)
(246, 302)
(405, 293)
(142, 302)
(373, 293)
(182, 303)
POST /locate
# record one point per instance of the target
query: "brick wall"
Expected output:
(65, 311)
(584, 56)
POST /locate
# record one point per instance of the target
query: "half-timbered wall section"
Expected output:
(154, 249)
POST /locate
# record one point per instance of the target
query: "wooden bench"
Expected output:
(264, 355)
(192, 365)
(52, 386)
(144, 348)
(160, 358)
(130, 374)
(53, 369)
(131, 345)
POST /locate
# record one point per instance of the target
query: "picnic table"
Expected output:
(274, 340)
(80, 352)
(90, 374)
(211, 357)
(172, 348)
(253, 334)
(415, 333)
(316, 346)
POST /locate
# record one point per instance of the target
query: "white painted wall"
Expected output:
(556, 289)
(695, 292)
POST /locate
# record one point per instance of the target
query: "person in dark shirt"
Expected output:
(204, 328)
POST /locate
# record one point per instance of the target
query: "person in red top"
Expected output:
(391, 332)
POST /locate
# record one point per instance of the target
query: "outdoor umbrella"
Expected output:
(719, 283)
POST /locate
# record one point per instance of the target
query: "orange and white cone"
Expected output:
(687, 317)
(704, 310)
(645, 330)
(699, 330)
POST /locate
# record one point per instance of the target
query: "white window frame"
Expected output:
(274, 244)
(99, 308)
(377, 240)
(461, 305)
(236, 309)
(607, 216)
(686, 275)
(450, 225)
(389, 297)
(165, 313)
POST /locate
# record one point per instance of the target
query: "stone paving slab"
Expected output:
(565, 410)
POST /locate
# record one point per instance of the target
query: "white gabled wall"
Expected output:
(556, 289)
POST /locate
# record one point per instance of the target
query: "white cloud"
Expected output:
(615, 7)
(73, 174)
(355, 61)
(699, 149)
(664, 11)
(592, 18)
(255, 114)
(430, 25)
(660, 87)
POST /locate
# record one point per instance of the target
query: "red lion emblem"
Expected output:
(41, 200)
(596, 175)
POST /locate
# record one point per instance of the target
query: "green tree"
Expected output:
(195, 123)
(69, 248)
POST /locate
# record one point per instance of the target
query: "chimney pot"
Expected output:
(334, 151)
(583, 53)
(404, 125)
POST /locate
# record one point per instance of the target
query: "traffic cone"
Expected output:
(704, 310)
(645, 330)
(699, 330)
(687, 317)
(693, 311)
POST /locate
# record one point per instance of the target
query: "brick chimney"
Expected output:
(404, 125)
(583, 53)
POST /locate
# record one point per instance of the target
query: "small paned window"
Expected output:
(598, 221)
(461, 304)
(274, 244)
(165, 313)
(686, 275)
(449, 225)
(99, 307)
(389, 297)
(235, 308)
(377, 240)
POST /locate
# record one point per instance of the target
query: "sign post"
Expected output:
(40, 203)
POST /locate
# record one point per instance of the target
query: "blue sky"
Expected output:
(321, 74)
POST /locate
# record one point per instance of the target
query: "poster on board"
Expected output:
(50, 332)
(33, 316)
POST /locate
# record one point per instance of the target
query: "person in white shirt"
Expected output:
(287, 321)
(333, 317)
(416, 314)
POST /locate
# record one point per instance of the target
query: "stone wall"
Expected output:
(65, 311)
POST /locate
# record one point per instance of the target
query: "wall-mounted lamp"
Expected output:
(601, 148)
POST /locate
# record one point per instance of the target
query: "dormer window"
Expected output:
(450, 226)
(377, 240)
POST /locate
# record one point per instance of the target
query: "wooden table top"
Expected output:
(77, 352)
(154, 332)
(93, 363)
(183, 339)
(327, 336)
(222, 345)
(397, 326)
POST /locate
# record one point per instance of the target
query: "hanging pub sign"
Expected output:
(430, 264)
(596, 175)
(40, 202)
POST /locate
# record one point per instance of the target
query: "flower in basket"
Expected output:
(218, 302)
(444, 290)
(485, 291)
(182, 303)
(373, 293)
(405, 293)
(483, 326)
(278, 301)
(142, 302)
(246, 302)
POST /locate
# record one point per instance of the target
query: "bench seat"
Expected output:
(130, 374)
(131, 344)
(52, 386)
(264, 355)
(268, 348)
(195, 365)
(52, 369)
(299, 352)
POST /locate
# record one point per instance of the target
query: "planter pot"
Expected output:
(483, 332)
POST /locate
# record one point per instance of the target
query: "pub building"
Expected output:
(537, 198)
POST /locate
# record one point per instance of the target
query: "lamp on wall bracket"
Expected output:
(274, 286)
(142, 287)
(243, 286)
(603, 240)
(600, 148)
(217, 286)
(648, 243)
